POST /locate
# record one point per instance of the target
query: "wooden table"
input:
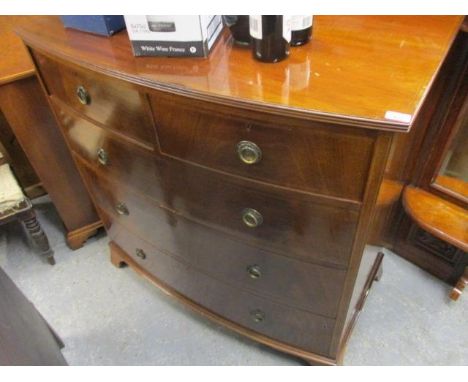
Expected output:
(25, 111)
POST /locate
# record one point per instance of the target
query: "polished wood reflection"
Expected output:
(296, 224)
(314, 229)
(295, 154)
(158, 148)
(297, 284)
(113, 103)
(292, 326)
(341, 82)
(133, 164)
(311, 232)
(15, 63)
(452, 184)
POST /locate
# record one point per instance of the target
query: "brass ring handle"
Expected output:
(122, 209)
(252, 218)
(254, 271)
(249, 152)
(83, 95)
(102, 156)
(140, 253)
(257, 315)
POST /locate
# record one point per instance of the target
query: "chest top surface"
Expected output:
(372, 71)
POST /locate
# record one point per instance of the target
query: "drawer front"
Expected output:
(292, 223)
(328, 160)
(101, 150)
(296, 283)
(113, 103)
(295, 327)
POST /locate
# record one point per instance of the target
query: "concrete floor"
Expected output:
(109, 316)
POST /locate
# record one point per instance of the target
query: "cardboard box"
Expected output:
(192, 36)
(102, 25)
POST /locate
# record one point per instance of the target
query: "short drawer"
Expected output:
(113, 103)
(296, 224)
(292, 326)
(302, 155)
(109, 155)
(299, 284)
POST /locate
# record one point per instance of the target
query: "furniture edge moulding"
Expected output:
(230, 101)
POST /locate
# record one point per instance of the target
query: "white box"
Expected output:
(167, 35)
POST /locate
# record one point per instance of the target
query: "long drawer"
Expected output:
(292, 282)
(284, 221)
(328, 160)
(116, 104)
(289, 222)
(292, 326)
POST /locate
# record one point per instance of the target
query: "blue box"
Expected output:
(102, 25)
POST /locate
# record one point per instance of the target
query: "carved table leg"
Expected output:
(37, 235)
(460, 286)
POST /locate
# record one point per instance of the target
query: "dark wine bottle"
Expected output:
(301, 30)
(271, 36)
(239, 27)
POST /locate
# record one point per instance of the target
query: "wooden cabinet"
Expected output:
(242, 193)
(26, 119)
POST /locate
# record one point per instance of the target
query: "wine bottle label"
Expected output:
(287, 22)
(255, 25)
(301, 22)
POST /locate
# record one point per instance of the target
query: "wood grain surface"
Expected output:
(333, 78)
(443, 219)
(29, 115)
(321, 121)
(15, 62)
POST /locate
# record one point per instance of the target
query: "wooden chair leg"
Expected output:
(458, 289)
(38, 236)
(379, 273)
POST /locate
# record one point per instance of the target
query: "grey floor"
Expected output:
(109, 316)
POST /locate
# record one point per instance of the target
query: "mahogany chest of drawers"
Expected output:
(244, 192)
